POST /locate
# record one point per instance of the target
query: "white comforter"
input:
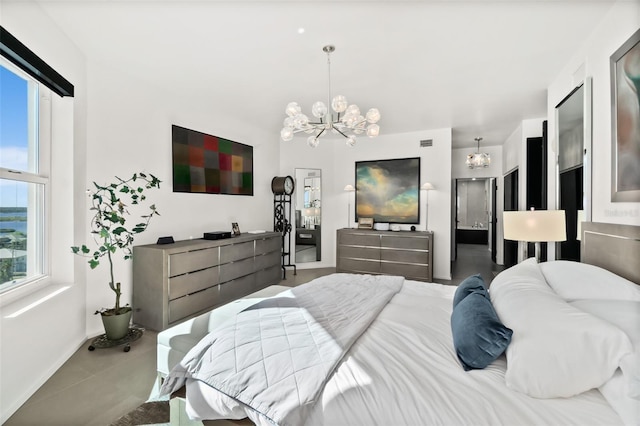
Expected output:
(276, 356)
(404, 371)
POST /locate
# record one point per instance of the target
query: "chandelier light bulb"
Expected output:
(301, 121)
(292, 109)
(286, 134)
(288, 123)
(353, 110)
(313, 141)
(373, 115)
(339, 103)
(319, 109)
(348, 122)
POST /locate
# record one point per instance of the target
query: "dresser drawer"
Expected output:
(235, 252)
(267, 260)
(193, 303)
(237, 288)
(267, 245)
(405, 242)
(371, 253)
(190, 283)
(358, 239)
(410, 272)
(230, 271)
(268, 277)
(406, 256)
(181, 263)
(358, 266)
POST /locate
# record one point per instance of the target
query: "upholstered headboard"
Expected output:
(613, 247)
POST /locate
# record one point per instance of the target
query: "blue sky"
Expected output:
(13, 134)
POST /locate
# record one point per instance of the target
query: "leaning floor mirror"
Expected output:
(573, 118)
(308, 210)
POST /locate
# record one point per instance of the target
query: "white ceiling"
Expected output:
(478, 67)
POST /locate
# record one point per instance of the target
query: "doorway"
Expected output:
(475, 230)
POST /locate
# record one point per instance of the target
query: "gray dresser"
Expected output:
(409, 254)
(172, 282)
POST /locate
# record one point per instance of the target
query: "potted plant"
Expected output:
(112, 233)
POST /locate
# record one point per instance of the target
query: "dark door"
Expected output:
(510, 204)
(494, 218)
(570, 201)
(455, 222)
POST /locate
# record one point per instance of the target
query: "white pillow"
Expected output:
(556, 350)
(625, 315)
(574, 280)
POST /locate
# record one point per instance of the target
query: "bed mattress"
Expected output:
(404, 370)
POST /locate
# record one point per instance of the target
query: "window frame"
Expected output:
(41, 139)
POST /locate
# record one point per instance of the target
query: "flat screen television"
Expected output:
(388, 190)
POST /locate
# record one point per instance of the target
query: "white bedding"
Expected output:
(404, 370)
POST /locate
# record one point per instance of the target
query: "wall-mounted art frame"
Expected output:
(388, 190)
(209, 164)
(625, 121)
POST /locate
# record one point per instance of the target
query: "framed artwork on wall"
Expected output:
(625, 121)
(388, 190)
(209, 164)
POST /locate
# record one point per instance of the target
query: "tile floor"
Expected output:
(96, 388)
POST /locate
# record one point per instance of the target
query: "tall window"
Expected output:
(23, 177)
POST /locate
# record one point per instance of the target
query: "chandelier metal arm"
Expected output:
(339, 131)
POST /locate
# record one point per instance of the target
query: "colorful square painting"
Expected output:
(210, 164)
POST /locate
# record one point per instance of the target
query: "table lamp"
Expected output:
(535, 226)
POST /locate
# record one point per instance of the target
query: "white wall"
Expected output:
(41, 329)
(337, 162)
(592, 60)
(130, 130)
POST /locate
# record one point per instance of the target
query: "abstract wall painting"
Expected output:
(625, 121)
(209, 164)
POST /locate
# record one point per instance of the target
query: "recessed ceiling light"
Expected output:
(300, 30)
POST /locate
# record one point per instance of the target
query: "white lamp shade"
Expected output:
(535, 225)
(427, 186)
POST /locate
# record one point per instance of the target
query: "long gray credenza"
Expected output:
(405, 253)
(172, 282)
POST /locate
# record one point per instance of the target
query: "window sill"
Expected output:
(23, 290)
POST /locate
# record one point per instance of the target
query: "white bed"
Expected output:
(404, 370)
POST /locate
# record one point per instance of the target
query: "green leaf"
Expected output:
(93, 263)
(75, 249)
(119, 230)
(124, 189)
(85, 249)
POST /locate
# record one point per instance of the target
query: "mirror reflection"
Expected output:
(308, 206)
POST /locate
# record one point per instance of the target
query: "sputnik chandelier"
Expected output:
(347, 121)
(478, 159)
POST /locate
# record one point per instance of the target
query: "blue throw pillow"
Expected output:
(478, 335)
(472, 284)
